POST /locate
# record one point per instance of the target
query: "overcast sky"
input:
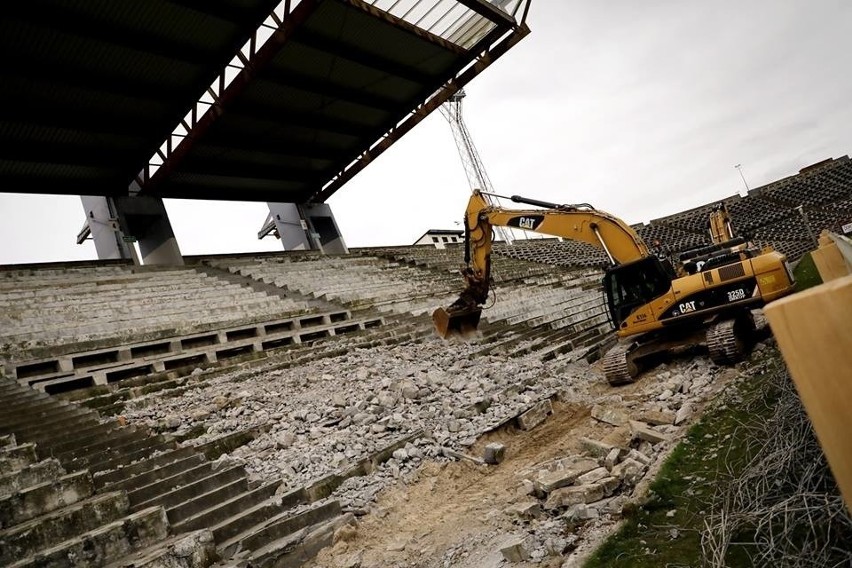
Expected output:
(639, 108)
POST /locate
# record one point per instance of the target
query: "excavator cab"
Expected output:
(632, 285)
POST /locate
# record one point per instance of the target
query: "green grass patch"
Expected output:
(666, 531)
(806, 273)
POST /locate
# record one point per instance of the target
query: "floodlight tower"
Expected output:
(477, 177)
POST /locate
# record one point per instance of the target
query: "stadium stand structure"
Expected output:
(84, 342)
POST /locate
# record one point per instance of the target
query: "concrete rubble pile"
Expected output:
(319, 418)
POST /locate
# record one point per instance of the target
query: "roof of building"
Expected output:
(103, 98)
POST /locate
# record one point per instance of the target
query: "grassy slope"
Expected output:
(654, 536)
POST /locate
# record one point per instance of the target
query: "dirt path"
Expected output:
(461, 503)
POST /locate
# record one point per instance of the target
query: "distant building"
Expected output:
(439, 238)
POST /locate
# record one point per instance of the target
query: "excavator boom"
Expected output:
(575, 222)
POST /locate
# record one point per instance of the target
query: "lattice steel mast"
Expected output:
(477, 176)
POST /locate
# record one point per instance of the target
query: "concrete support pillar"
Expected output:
(309, 226)
(116, 222)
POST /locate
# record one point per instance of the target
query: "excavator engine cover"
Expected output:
(457, 323)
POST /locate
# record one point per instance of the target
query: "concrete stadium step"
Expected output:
(194, 489)
(231, 510)
(302, 546)
(228, 532)
(188, 550)
(17, 457)
(278, 535)
(48, 441)
(121, 459)
(29, 475)
(50, 529)
(101, 545)
(37, 410)
(210, 501)
(133, 482)
(47, 418)
(143, 471)
(47, 496)
(192, 470)
(108, 441)
(128, 447)
(99, 432)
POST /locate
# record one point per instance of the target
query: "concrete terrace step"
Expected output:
(194, 489)
(121, 478)
(99, 546)
(279, 535)
(47, 496)
(121, 458)
(192, 470)
(229, 532)
(45, 531)
(280, 526)
(229, 511)
(29, 475)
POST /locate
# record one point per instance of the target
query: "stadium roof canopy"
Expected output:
(228, 99)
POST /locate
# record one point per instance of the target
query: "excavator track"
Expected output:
(618, 365)
(727, 340)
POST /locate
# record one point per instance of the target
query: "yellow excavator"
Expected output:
(655, 307)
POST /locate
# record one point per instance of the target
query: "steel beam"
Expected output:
(490, 12)
(452, 87)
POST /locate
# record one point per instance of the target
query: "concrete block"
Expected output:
(684, 413)
(568, 496)
(629, 471)
(563, 477)
(581, 512)
(612, 458)
(657, 418)
(45, 497)
(495, 453)
(644, 459)
(612, 416)
(642, 431)
(592, 476)
(525, 509)
(535, 415)
(514, 551)
(595, 448)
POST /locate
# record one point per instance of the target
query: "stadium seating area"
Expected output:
(79, 342)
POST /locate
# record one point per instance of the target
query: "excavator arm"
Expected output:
(575, 222)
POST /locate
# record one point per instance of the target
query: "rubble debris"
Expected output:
(612, 416)
(495, 453)
(642, 431)
(535, 415)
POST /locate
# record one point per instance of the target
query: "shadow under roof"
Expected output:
(94, 88)
(89, 89)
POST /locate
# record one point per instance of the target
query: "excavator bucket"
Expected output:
(458, 323)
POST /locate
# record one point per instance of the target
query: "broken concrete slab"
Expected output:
(657, 417)
(609, 415)
(593, 476)
(629, 471)
(642, 431)
(563, 477)
(514, 551)
(568, 496)
(535, 415)
(612, 458)
(525, 509)
(684, 413)
(595, 448)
